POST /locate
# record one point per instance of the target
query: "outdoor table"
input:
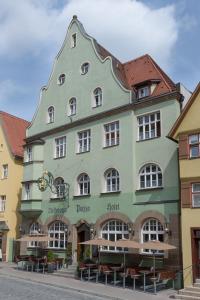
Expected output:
(145, 272)
(115, 269)
(89, 267)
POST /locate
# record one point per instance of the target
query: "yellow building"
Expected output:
(186, 131)
(12, 134)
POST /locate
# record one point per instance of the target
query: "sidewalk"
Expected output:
(100, 290)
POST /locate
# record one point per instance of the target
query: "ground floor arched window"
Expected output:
(58, 231)
(152, 230)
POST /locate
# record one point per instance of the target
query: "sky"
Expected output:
(32, 32)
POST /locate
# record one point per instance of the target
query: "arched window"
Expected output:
(112, 180)
(50, 115)
(97, 94)
(61, 79)
(34, 230)
(152, 230)
(114, 230)
(150, 176)
(84, 68)
(58, 231)
(72, 106)
(84, 184)
(60, 187)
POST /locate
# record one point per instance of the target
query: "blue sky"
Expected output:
(32, 34)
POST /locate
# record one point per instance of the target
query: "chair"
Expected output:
(106, 271)
(134, 275)
(82, 268)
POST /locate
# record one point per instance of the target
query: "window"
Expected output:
(112, 180)
(50, 116)
(29, 153)
(60, 147)
(72, 106)
(196, 194)
(2, 203)
(60, 187)
(143, 92)
(111, 134)
(194, 143)
(97, 94)
(114, 230)
(84, 141)
(4, 171)
(149, 126)
(150, 177)
(34, 230)
(58, 231)
(84, 68)
(83, 185)
(73, 40)
(27, 191)
(152, 230)
(61, 79)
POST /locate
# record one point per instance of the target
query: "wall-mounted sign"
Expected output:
(57, 211)
(80, 208)
(113, 207)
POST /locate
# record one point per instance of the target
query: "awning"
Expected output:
(3, 226)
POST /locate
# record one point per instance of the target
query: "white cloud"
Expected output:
(127, 28)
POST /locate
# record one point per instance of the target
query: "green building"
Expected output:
(101, 127)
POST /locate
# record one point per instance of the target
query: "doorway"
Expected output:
(83, 234)
(195, 235)
(0, 247)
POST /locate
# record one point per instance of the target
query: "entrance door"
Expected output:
(0, 248)
(196, 253)
(83, 234)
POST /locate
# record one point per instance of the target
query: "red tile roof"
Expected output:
(15, 130)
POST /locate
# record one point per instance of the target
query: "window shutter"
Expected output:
(183, 147)
(185, 194)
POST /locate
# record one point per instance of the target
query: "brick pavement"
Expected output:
(88, 288)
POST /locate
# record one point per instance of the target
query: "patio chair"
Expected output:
(162, 279)
(82, 268)
(106, 271)
(132, 272)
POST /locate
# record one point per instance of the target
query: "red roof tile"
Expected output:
(15, 130)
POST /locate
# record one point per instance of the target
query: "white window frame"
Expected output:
(149, 126)
(34, 229)
(4, 171)
(85, 68)
(152, 230)
(27, 191)
(50, 114)
(60, 147)
(2, 203)
(112, 181)
(58, 231)
(114, 230)
(194, 143)
(72, 106)
(97, 97)
(60, 187)
(83, 182)
(195, 194)
(111, 134)
(84, 141)
(74, 40)
(143, 91)
(29, 153)
(150, 176)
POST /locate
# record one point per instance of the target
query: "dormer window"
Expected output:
(143, 92)
(73, 40)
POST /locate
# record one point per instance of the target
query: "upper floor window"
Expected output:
(35, 229)
(27, 191)
(152, 230)
(50, 116)
(98, 96)
(194, 143)
(114, 230)
(84, 184)
(2, 203)
(5, 171)
(61, 79)
(60, 187)
(196, 194)
(143, 92)
(111, 134)
(29, 154)
(112, 180)
(60, 147)
(150, 176)
(58, 231)
(149, 126)
(72, 106)
(84, 68)
(73, 40)
(84, 141)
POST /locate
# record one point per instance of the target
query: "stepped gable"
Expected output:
(15, 132)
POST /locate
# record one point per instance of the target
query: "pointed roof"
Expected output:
(15, 131)
(178, 122)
